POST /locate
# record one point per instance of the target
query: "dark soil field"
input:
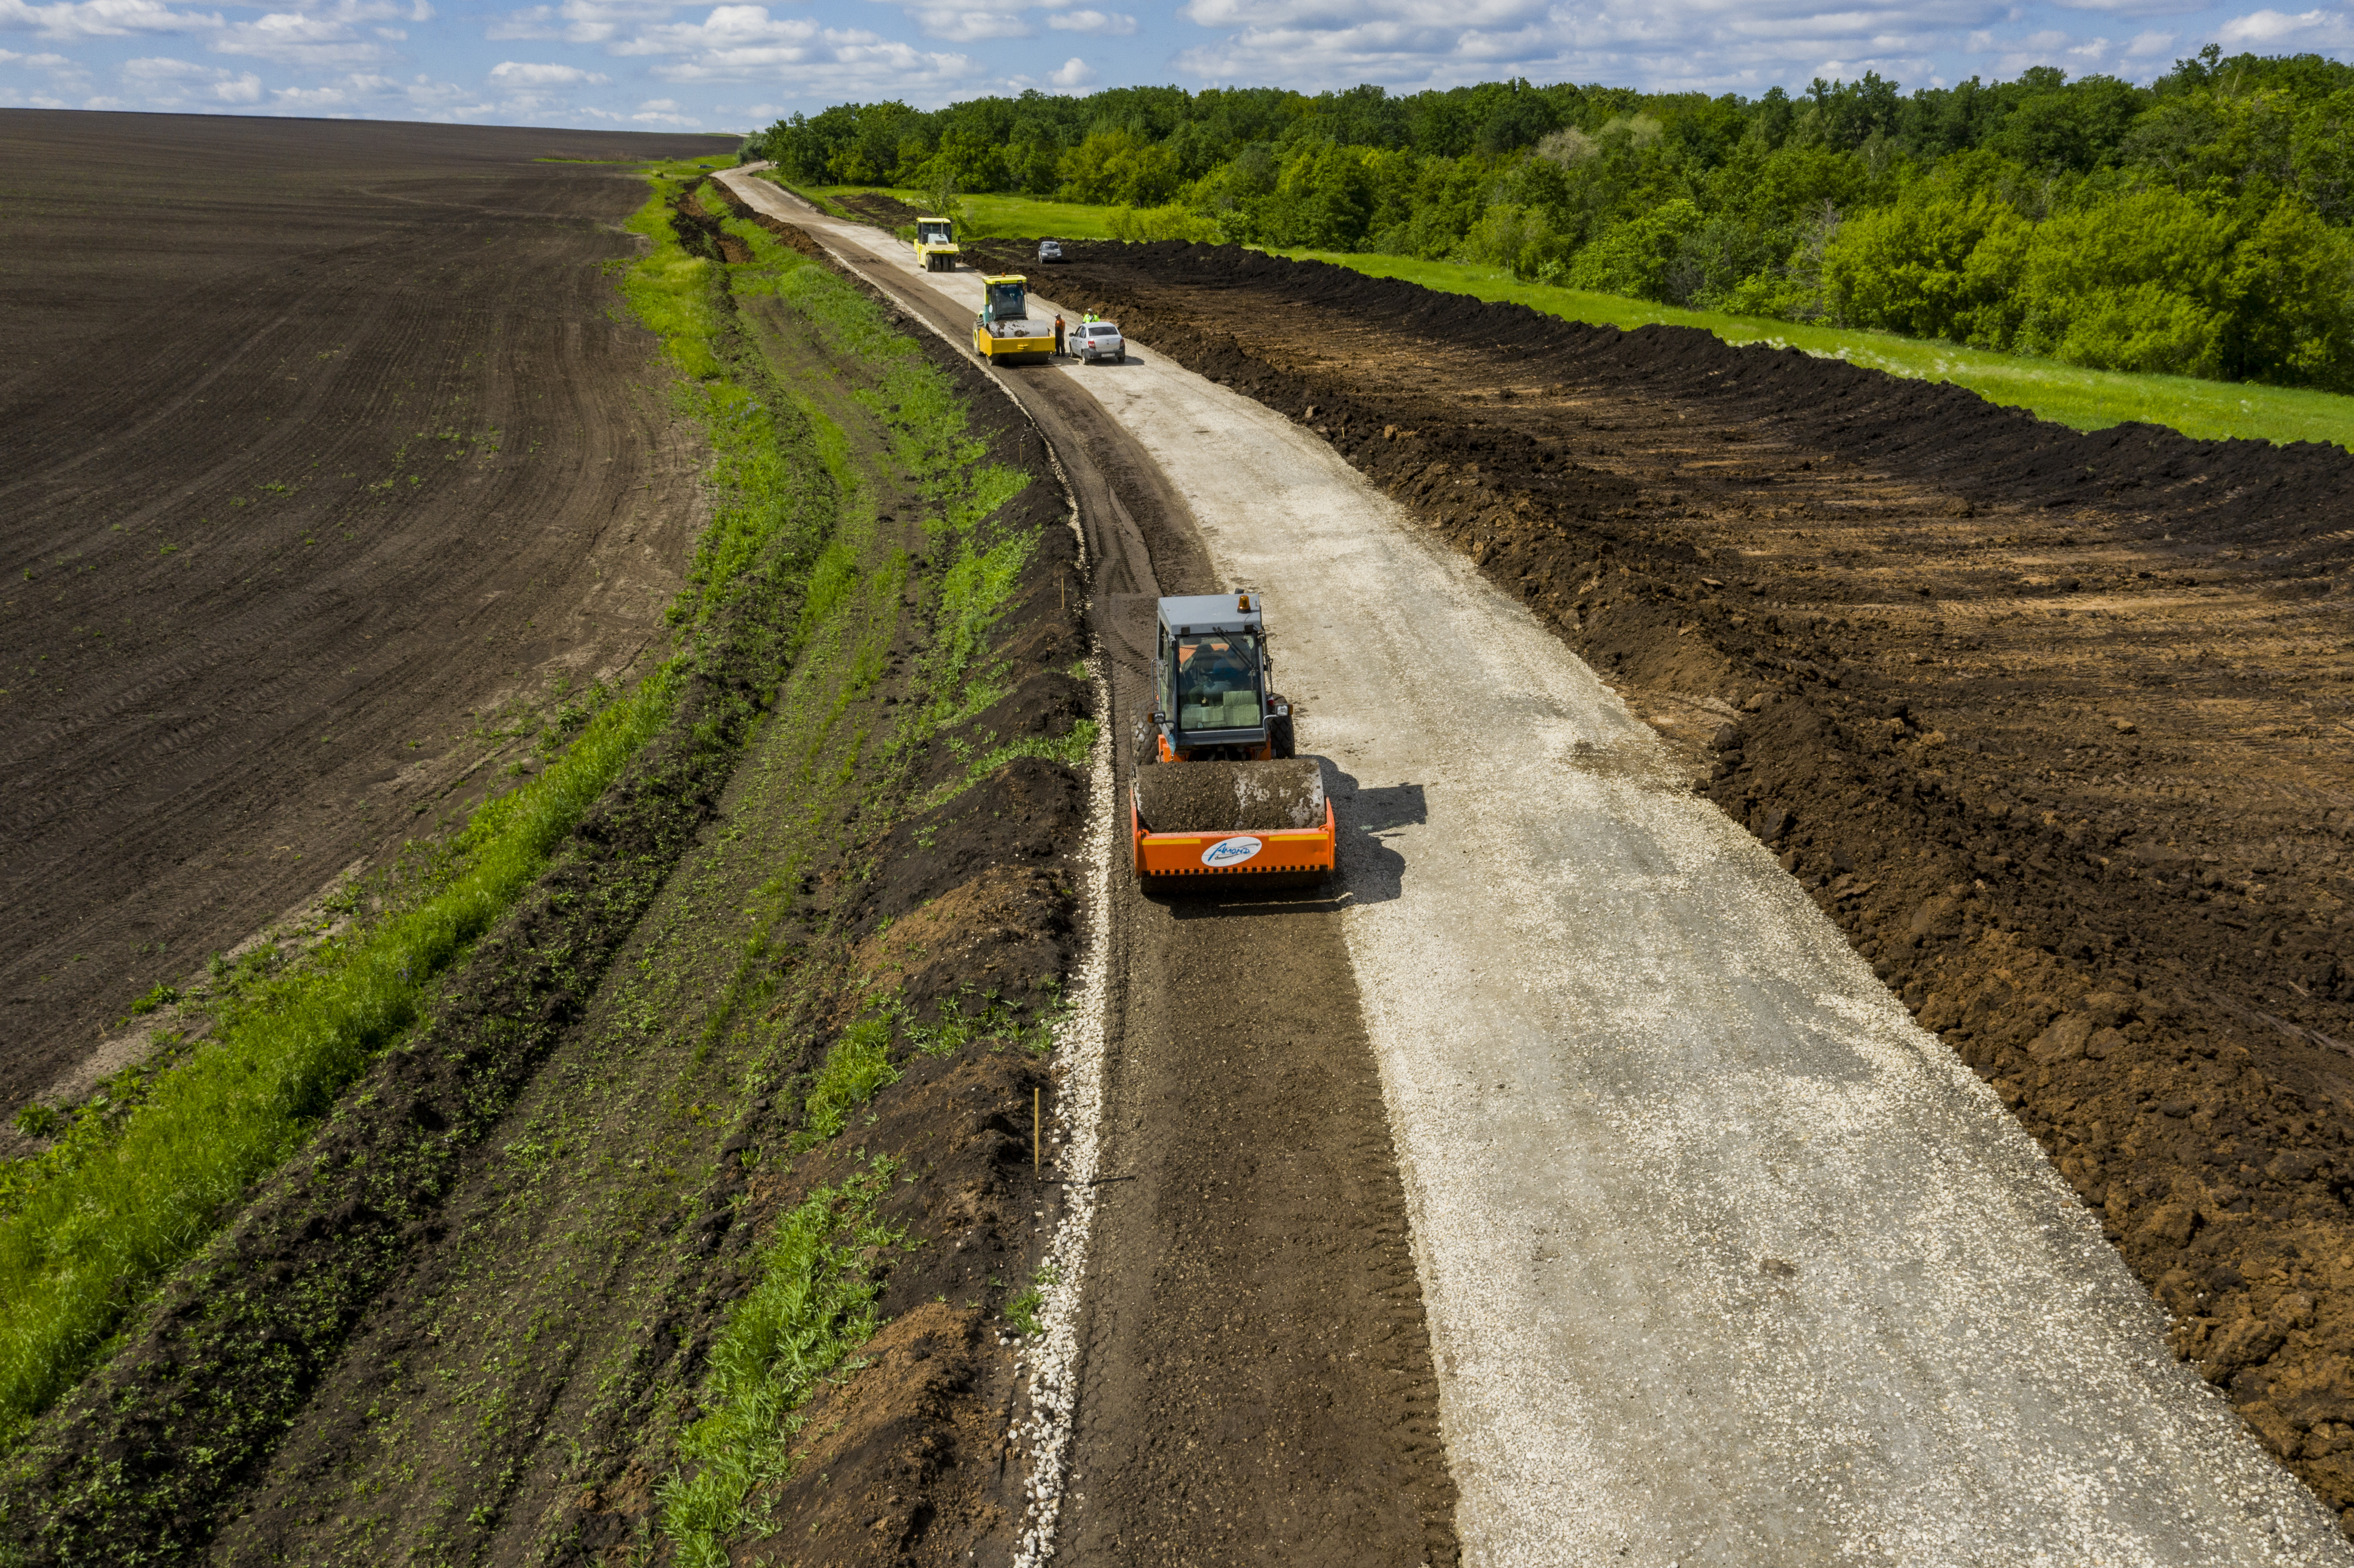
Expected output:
(471, 1319)
(330, 455)
(2056, 726)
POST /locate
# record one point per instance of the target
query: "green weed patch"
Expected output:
(814, 1304)
(857, 1068)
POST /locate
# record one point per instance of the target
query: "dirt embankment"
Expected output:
(473, 1317)
(325, 461)
(2054, 725)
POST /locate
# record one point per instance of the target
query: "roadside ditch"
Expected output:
(698, 1208)
(2043, 720)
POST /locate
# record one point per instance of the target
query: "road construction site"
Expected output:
(1718, 1253)
(1826, 1041)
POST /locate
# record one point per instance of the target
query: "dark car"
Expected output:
(1050, 250)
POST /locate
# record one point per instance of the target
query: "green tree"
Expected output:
(1633, 257)
(1120, 167)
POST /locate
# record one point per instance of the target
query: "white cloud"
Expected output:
(101, 18)
(579, 21)
(2271, 29)
(968, 25)
(38, 62)
(522, 74)
(162, 82)
(802, 58)
(1102, 24)
(375, 95)
(342, 35)
(310, 43)
(2137, 7)
(1073, 72)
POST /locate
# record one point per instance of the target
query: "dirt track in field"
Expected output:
(2055, 725)
(328, 454)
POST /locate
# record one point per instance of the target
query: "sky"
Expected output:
(655, 64)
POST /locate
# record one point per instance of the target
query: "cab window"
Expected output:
(1218, 682)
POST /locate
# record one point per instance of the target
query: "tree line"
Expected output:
(2201, 225)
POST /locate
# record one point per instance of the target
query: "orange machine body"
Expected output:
(1302, 853)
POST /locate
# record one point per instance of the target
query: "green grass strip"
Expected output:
(813, 1305)
(2065, 393)
(79, 1247)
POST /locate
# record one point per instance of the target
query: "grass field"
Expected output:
(2083, 399)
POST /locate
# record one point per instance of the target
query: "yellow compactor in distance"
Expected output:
(1003, 333)
(935, 246)
(1218, 794)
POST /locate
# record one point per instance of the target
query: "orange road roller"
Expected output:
(1219, 793)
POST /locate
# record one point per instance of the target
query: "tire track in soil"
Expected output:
(1256, 1383)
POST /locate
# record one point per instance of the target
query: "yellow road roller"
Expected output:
(935, 246)
(1003, 333)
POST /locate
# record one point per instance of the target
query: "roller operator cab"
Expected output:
(1217, 791)
(1210, 668)
(935, 246)
(1003, 333)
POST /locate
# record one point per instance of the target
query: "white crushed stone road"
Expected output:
(1726, 1261)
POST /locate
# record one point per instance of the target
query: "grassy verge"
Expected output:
(812, 1306)
(89, 1225)
(2082, 400)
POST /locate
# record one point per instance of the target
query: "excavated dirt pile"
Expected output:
(2054, 724)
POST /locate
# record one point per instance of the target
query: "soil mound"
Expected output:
(1230, 796)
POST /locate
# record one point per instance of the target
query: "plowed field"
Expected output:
(329, 456)
(2056, 726)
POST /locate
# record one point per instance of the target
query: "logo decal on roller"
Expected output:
(1231, 852)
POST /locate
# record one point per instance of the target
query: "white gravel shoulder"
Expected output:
(1725, 1260)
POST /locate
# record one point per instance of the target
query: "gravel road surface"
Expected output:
(1724, 1260)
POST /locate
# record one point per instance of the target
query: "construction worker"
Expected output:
(1058, 335)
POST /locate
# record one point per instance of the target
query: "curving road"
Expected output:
(1723, 1260)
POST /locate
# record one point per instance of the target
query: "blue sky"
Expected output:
(653, 63)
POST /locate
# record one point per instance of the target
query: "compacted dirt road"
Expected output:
(358, 469)
(1723, 1257)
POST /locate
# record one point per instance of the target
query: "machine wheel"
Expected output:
(1280, 734)
(1121, 358)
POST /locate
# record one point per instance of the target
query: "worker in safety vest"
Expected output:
(1058, 335)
